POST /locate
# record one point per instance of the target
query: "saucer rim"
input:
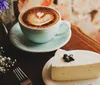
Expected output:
(38, 51)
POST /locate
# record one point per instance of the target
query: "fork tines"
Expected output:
(22, 76)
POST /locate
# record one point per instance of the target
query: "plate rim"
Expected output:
(48, 63)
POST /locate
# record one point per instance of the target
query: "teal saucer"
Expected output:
(20, 41)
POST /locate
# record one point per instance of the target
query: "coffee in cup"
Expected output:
(41, 24)
(39, 17)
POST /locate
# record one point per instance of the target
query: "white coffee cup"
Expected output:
(44, 33)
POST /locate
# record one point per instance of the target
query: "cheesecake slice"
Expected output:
(82, 65)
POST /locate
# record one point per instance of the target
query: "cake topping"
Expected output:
(68, 58)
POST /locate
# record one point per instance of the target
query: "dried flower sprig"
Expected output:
(3, 5)
(5, 62)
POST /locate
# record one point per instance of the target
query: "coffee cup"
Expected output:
(41, 24)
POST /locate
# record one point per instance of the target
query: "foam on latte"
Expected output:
(39, 17)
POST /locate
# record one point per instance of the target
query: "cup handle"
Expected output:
(64, 27)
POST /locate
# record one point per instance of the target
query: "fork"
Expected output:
(22, 77)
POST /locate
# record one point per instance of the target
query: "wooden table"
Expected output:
(32, 63)
(81, 41)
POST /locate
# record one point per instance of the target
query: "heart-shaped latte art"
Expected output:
(41, 19)
(40, 14)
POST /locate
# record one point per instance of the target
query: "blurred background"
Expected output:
(84, 14)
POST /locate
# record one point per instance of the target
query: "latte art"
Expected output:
(40, 14)
(39, 17)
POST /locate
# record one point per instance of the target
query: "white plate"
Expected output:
(47, 70)
(19, 40)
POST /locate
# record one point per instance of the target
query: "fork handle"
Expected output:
(27, 82)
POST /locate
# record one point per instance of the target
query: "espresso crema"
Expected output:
(39, 17)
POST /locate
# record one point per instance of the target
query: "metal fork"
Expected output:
(23, 78)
